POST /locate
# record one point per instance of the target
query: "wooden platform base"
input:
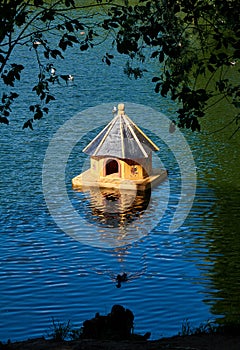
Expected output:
(87, 179)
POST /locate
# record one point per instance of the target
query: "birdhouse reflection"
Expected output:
(116, 208)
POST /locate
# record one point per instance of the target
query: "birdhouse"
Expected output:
(121, 156)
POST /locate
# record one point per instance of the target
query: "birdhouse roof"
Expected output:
(121, 138)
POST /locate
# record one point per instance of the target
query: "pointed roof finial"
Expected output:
(121, 108)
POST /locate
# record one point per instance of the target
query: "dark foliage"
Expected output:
(195, 43)
(118, 324)
(30, 23)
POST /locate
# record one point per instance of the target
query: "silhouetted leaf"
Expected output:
(49, 98)
(84, 47)
(154, 54)
(72, 38)
(21, 18)
(4, 120)
(211, 68)
(46, 53)
(38, 115)
(28, 124)
(113, 24)
(78, 25)
(157, 87)
(69, 3)
(161, 56)
(38, 2)
(48, 15)
(155, 79)
(13, 95)
(55, 53)
(45, 110)
(109, 56)
(108, 61)
(69, 26)
(42, 96)
(237, 54)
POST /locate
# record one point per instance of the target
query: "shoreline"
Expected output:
(204, 341)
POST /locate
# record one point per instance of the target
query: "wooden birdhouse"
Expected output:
(121, 156)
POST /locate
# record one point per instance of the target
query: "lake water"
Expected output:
(45, 272)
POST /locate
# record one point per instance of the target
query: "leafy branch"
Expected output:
(194, 42)
(30, 23)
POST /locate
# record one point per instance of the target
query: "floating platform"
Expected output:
(87, 179)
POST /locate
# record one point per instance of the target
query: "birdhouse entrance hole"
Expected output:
(112, 167)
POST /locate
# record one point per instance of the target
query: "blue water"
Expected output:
(46, 273)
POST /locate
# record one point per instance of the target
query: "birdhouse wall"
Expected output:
(103, 166)
(121, 168)
(95, 166)
(137, 169)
